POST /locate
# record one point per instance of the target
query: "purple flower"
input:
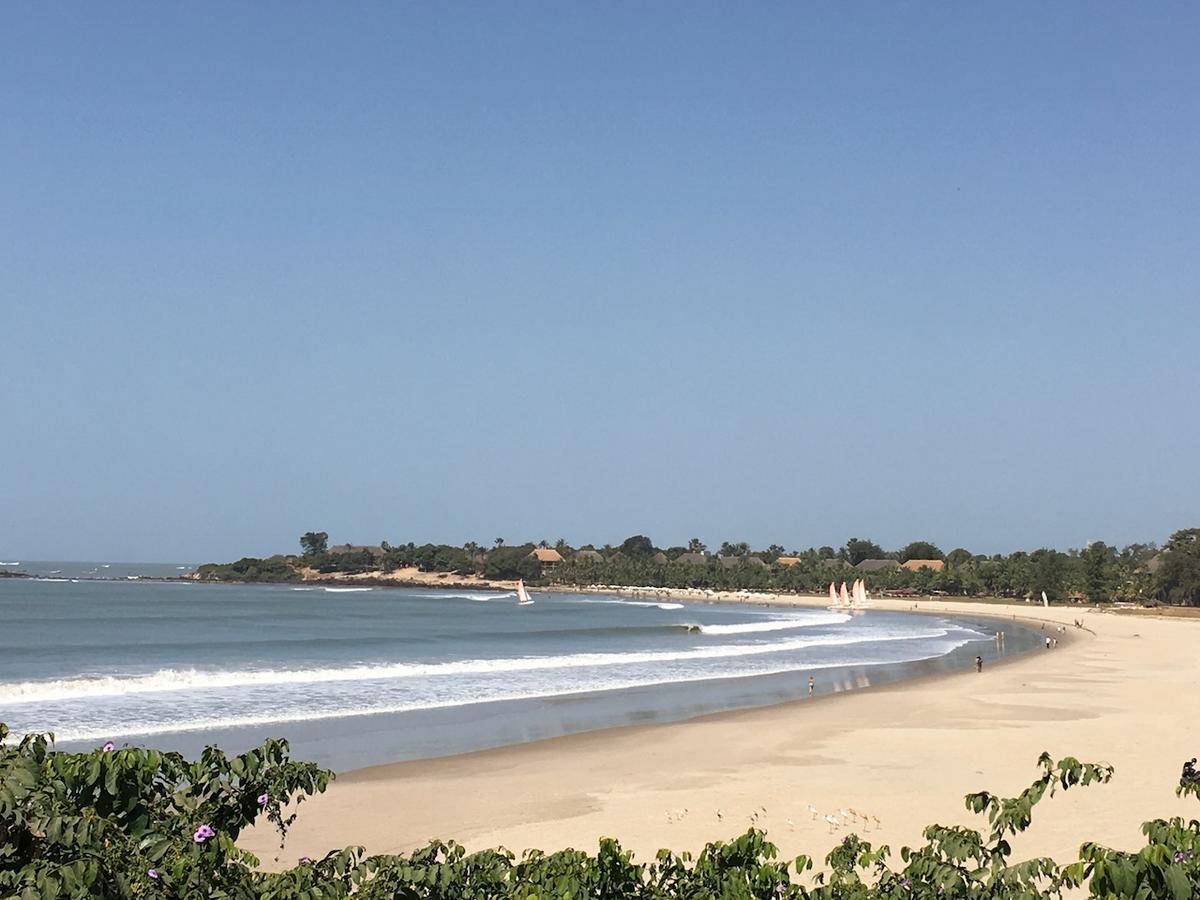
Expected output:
(262, 799)
(109, 747)
(203, 833)
(305, 860)
(153, 873)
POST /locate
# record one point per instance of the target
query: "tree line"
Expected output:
(1097, 573)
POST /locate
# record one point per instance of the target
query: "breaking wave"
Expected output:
(165, 680)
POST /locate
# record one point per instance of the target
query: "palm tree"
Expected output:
(499, 542)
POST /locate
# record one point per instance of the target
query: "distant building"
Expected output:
(914, 565)
(833, 562)
(693, 559)
(374, 550)
(787, 561)
(589, 556)
(547, 556)
(878, 565)
(659, 559)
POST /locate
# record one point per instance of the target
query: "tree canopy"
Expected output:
(921, 550)
(638, 546)
(314, 542)
(858, 549)
(1179, 573)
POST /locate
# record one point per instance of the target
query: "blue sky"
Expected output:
(790, 273)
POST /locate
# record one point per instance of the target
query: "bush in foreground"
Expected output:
(133, 823)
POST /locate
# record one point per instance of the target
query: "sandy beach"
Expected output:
(1121, 690)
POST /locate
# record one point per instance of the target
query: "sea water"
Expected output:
(361, 676)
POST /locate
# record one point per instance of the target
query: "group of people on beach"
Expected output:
(1052, 642)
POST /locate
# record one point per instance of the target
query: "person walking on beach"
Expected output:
(1047, 642)
(979, 664)
(812, 685)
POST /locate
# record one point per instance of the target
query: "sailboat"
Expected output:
(860, 595)
(833, 597)
(845, 596)
(1045, 600)
(523, 598)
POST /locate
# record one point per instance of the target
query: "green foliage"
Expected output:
(1099, 573)
(959, 556)
(1099, 563)
(128, 823)
(509, 563)
(313, 543)
(858, 549)
(639, 546)
(1178, 578)
(921, 550)
(248, 568)
(98, 824)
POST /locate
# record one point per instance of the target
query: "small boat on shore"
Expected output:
(848, 599)
(523, 598)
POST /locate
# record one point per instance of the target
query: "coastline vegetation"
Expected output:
(137, 823)
(1098, 573)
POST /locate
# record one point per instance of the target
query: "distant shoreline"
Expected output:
(415, 578)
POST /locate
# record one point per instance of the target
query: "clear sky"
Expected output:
(779, 273)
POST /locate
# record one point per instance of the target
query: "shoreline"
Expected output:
(906, 751)
(387, 769)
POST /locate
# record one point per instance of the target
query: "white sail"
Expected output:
(1045, 600)
(833, 593)
(845, 597)
(523, 598)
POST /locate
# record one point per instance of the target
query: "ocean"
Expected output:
(355, 677)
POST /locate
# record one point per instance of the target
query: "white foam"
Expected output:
(166, 680)
(353, 590)
(477, 596)
(644, 603)
(775, 624)
(9, 564)
(125, 728)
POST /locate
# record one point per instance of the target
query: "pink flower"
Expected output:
(109, 747)
(153, 873)
(262, 799)
(203, 833)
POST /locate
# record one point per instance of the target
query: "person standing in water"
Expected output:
(812, 685)
(979, 664)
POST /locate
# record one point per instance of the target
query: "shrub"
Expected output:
(136, 823)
